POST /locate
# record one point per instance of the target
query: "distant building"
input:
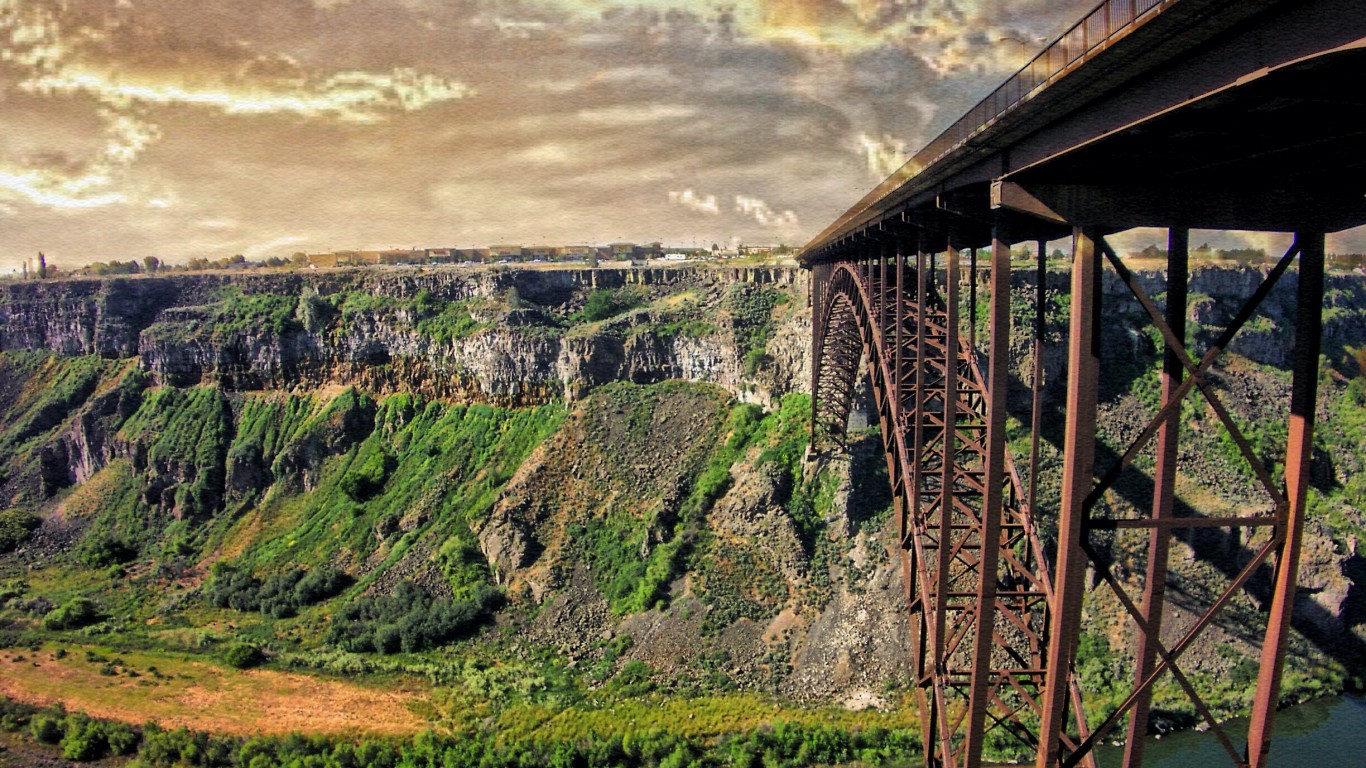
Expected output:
(757, 250)
(399, 256)
(573, 252)
(506, 252)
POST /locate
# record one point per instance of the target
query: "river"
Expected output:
(1326, 732)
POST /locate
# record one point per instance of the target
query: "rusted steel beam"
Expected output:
(1181, 523)
(972, 299)
(1159, 539)
(1298, 454)
(1078, 464)
(989, 534)
(1036, 405)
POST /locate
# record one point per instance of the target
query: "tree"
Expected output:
(152, 264)
(42, 266)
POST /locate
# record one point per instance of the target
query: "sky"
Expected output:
(263, 127)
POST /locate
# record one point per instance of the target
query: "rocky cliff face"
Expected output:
(787, 575)
(182, 332)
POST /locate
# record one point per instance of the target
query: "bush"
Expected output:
(605, 303)
(46, 728)
(84, 739)
(15, 527)
(366, 478)
(409, 620)
(633, 680)
(280, 595)
(123, 739)
(243, 656)
(104, 551)
(76, 613)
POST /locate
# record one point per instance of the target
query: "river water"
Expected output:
(1326, 732)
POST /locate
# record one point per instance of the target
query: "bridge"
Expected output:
(1178, 114)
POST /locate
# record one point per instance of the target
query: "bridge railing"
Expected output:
(1108, 21)
(1105, 24)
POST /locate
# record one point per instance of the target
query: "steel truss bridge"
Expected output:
(1179, 114)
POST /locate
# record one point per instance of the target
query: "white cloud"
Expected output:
(546, 153)
(763, 213)
(636, 114)
(693, 201)
(883, 156)
(33, 41)
(272, 247)
(360, 97)
(519, 29)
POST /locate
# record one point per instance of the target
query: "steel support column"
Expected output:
(1298, 453)
(1036, 404)
(1083, 355)
(1159, 538)
(998, 362)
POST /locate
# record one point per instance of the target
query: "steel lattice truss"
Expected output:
(966, 531)
(995, 619)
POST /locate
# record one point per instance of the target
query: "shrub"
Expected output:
(123, 739)
(15, 527)
(633, 679)
(409, 620)
(46, 728)
(366, 478)
(84, 739)
(243, 656)
(104, 551)
(76, 613)
(280, 595)
(605, 303)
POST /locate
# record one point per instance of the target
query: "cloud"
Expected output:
(126, 80)
(350, 121)
(272, 247)
(761, 212)
(641, 114)
(360, 97)
(883, 156)
(949, 35)
(517, 28)
(546, 153)
(693, 201)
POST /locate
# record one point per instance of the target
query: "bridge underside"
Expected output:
(996, 603)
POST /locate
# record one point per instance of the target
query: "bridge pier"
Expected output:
(1299, 449)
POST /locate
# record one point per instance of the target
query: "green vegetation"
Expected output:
(75, 613)
(191, 430)
(15, 527)
(279, 596)
(409, 620)
(236, 311)
(751, 306)
(607, 303)
(63, 385)
(782, 744)
(243, 656)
